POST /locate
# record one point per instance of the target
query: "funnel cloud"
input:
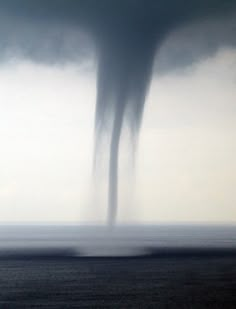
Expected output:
(126, 36)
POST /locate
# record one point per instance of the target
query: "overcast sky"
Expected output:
(185, 166)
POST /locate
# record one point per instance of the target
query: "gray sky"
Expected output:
(185, 169)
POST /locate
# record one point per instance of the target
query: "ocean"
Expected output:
(133, 267)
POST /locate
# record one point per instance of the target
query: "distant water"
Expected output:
(122, 240)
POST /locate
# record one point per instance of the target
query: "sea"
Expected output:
(165, 266)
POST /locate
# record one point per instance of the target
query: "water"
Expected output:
(79, 267)
(118, 283)
(123, 240)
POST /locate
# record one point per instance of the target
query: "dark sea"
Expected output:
(129, 267)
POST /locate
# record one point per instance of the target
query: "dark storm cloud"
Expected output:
(190, 43)
(126, 35)
(53, 30)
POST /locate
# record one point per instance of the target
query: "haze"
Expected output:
(185, 169)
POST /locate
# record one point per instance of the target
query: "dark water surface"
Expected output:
(147, 282)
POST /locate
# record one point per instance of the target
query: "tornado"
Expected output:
(127, 35)
(124, 74)
(125, 65)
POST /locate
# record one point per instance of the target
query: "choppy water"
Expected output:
(118, 283)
